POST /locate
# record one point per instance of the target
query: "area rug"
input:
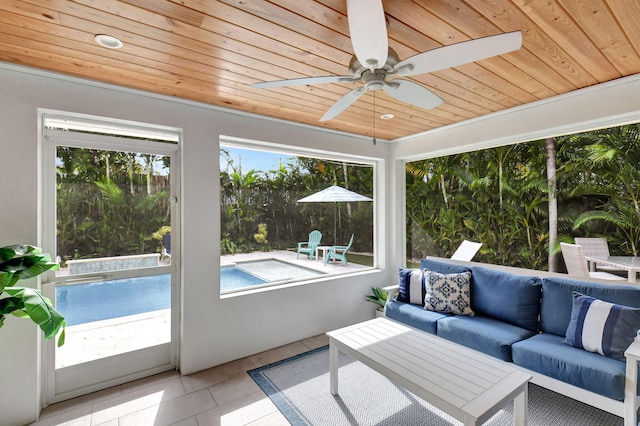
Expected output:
(299, 387)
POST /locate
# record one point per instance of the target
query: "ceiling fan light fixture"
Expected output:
(110, 42)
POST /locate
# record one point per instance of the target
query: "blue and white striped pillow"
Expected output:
(411, 283)
(601, 327)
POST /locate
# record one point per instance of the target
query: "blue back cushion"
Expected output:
(507, 297)
(443, 267)
(557, 300)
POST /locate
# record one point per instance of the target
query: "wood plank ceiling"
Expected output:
(211, 51)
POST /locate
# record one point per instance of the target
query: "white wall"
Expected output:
(213, 330)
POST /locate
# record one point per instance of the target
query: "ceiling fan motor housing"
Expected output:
(357, 70)
(374, 80)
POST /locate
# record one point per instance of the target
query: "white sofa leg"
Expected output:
(631, 384)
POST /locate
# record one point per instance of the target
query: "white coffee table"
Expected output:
(466, 384)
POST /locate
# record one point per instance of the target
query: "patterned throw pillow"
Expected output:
(601, 327)
(448, 293)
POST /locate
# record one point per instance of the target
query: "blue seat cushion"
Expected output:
(545, 353)
(484, 334)
(507, 297)
(557, 300)
(414, 316)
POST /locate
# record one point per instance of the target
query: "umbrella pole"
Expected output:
(335, 235)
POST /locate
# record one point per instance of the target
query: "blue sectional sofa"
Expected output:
(523, 319)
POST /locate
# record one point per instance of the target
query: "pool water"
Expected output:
(232, 278)
(257, 272)
(82, 303)
(273, 270)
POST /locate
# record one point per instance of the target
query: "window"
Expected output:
(502, 198)
(266, 222)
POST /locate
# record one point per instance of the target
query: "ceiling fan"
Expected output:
(374, 61)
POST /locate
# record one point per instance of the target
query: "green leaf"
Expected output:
(377, 296)
(21, 262)
(39, 309)
(6, 279)
(62, 337)
(10, 304)
(20, 313)
(9, 252)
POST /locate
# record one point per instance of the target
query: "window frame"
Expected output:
(377, 165)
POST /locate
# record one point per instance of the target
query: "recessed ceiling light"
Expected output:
(387, 116)
(108, 41)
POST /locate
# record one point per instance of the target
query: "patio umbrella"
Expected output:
(334, 194)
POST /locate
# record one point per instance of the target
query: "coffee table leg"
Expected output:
(520, 404)
(333, 368)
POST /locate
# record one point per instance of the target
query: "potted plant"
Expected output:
(377, 297)
(24, 261)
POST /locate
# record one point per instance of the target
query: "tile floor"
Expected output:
(224, 395)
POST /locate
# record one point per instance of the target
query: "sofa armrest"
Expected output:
(631, 383)
(392, 291)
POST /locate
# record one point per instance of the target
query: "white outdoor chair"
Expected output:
(577, 264)
(597, 247)
(466, 251)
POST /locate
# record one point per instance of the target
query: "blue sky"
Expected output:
(250, 159)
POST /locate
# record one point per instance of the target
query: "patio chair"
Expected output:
(597, 247)
(338, 253)
(166, 249)
(577, 264)
(466, 250)
(309, 247)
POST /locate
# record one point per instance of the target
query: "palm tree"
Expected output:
(553, 203)
(613, 169)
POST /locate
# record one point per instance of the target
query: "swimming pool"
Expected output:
(82, 303)
(264, 271)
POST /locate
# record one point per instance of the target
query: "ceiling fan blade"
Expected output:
(459, 54)
(368, 30)
(306, 80)
(412, 93)
(343, 103)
